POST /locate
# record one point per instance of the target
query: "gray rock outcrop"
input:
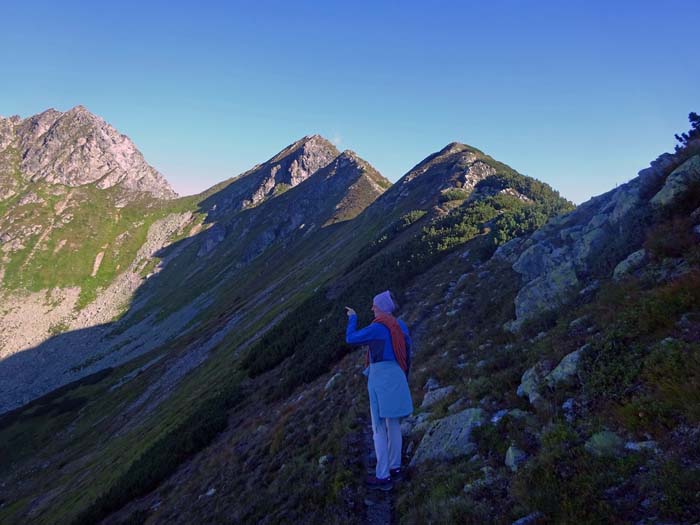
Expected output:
(532, 380)
(634, 261)
(559, 259)
(449, 437)
(433, 396)
(76, 148)
(678, 182)
(289, 168)
(566, 370)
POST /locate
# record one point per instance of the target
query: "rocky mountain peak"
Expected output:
(75, 148)
(456, 166)
(306, 148)
(287, 169)
(349, 157)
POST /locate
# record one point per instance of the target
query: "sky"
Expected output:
(579, 94)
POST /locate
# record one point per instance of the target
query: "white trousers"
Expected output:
(387, 443)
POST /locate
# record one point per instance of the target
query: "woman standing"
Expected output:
(388, 362)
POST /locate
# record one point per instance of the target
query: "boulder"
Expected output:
(678, 182)
(499, 415)
(510, 251)
(544, 293)
(458, 405)
(626, 198)
(537, 260)
(653, 176)
(532, 380)
(632, 262)
(565, 371)
(433, 396)
(580, 323)
(514, 413)
(514, 458)
(605, 444)
(592, 241)
(449, 437)
(569, 409)
(324, 460)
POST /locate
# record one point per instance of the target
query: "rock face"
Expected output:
(633, 262)
(455, 166)
(77, 148)
(559, 259)
(678, 182)
(290, 167)
(449, 437)
(337, 192)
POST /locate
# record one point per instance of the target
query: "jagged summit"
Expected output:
(336, 192)
(306, 144)
(457, 166)
(77, 147)
(286, 169)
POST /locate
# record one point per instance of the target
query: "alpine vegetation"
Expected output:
(171, 359)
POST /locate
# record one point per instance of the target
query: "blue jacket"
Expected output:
(378, 337)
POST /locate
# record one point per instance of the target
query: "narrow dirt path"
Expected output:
(379, 504)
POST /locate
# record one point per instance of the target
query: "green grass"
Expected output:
(97, 226)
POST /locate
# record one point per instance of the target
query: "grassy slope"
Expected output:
(59, 259)
(633, 383)
(214, 385)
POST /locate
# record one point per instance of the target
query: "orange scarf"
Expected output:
(398, 342)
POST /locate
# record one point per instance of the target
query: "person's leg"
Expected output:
(394, 431)
(380, 439)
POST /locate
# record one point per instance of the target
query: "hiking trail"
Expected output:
(378, 503)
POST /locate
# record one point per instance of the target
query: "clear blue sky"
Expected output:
(580, 94)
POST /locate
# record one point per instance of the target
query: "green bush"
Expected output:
(609, 368)
(454, 194)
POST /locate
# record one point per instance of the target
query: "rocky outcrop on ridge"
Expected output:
(337, 192)
(455, 166)
(291, 166)
(77, 148)
(565, 256)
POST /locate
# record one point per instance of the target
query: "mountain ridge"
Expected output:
(238, 401)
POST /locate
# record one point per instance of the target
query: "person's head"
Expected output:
(383, 303)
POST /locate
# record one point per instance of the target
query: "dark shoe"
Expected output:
(396, 473)
(376, 483)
